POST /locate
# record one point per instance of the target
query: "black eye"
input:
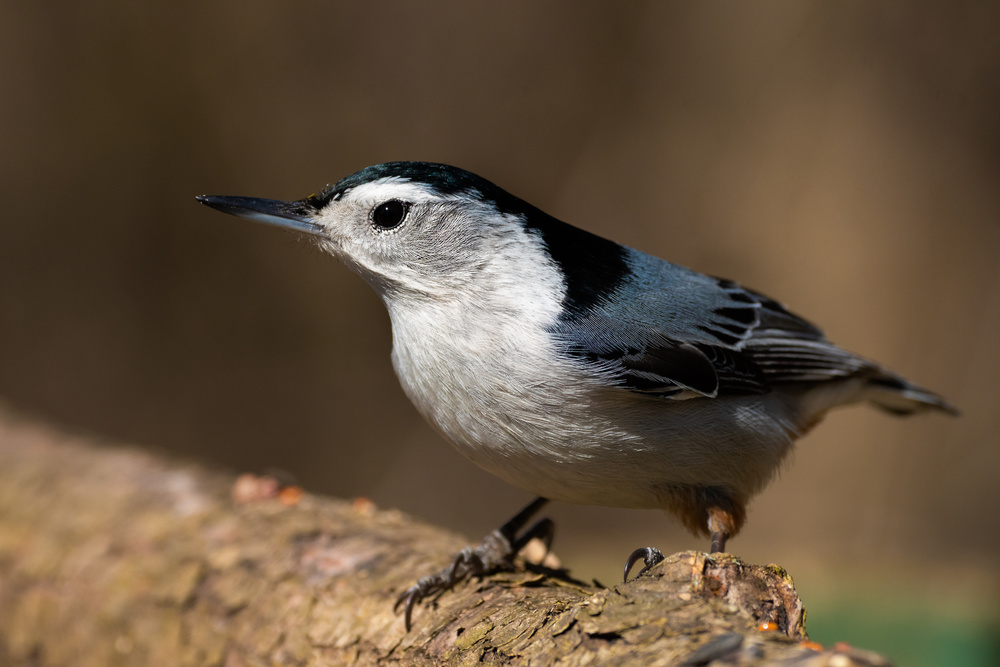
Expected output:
(389, 214)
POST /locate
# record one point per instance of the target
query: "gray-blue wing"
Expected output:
(670, 331)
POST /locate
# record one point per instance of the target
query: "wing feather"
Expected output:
(670, 331)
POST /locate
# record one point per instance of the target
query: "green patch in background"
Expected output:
(911, 634)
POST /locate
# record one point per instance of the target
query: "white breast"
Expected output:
(482, 368)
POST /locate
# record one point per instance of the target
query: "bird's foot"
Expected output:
(496, 553)
(650, 556)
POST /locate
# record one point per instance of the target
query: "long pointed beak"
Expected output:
(287, 214)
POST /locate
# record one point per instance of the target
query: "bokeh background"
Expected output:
(843, 157)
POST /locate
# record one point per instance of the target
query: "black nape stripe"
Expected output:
(593, 266)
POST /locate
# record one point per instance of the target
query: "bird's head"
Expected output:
(410, 228)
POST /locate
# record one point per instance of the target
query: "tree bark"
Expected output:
(114, 556)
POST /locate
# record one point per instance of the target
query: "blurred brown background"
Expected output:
(843, 157)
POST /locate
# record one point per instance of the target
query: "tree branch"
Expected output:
(115, 556)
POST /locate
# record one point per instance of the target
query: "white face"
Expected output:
(418, 248)
(403, 237)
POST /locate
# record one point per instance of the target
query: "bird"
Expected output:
(573, 367)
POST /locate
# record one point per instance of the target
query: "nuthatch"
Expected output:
(573, 367)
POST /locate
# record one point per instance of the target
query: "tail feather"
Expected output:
(901, 397)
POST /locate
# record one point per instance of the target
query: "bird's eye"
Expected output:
(390, 214)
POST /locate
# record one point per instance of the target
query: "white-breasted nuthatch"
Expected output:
(571, 366)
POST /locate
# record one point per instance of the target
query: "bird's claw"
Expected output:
(650, 556)
(495, 554)
(425, 587)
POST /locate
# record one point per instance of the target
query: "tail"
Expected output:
(899, 396)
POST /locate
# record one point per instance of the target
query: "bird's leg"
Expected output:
(721, 524)
(715, 510)
(496, 553)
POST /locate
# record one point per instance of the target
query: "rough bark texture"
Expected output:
(114, 556)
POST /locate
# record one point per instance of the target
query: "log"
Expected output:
(111, 555)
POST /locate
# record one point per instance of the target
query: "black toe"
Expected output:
(650, 556)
